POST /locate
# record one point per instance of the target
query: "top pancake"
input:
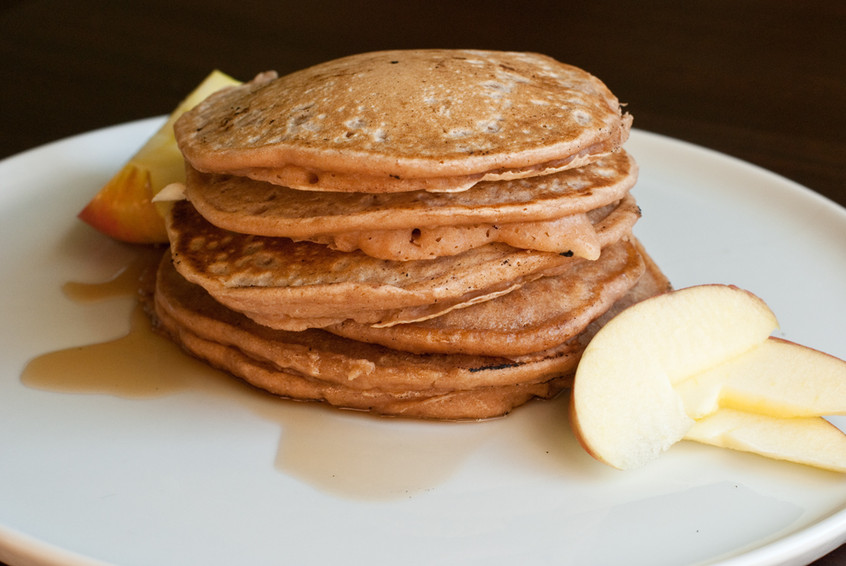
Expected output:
(393, 121)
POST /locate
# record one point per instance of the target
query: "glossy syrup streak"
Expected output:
(138, 365)
(343, 453)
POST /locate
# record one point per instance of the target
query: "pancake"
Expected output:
(537, 316)
(580, 234)
(543, 213)
(394, 121)
(335, 359)
(244, 205)
(296, 285)
(575, 235)
(276, 279)
(428, 233)
(316, 365)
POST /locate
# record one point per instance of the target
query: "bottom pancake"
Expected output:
(319, 366)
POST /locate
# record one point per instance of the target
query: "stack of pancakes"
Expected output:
(431, 233)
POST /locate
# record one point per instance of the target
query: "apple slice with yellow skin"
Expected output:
(777, 378)
(123, 209)
(805, 440)
(625, 410)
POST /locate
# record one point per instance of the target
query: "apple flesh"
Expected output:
(624, 407)
(805, 440)
(777, 378)
(699, 364)
(123, 209)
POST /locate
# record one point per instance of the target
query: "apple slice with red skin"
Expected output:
(123, 208)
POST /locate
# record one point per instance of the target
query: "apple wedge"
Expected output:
(778, 378)
(625, 410)
(806, 440)
(123, 208)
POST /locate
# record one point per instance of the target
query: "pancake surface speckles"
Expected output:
(394, 117)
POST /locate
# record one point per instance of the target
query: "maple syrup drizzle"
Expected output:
(352, 455)
(361, 456)
(134, 366)
(140, 364)
(124, 283)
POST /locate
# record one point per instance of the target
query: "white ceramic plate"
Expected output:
(213, 473)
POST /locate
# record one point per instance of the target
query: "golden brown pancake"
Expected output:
(548, 213)
(393, 121)
(580, 235)
(316, 365)
(296, 285)
(574, 234)
(428, 233)
(336, 359)
(537, 316)
(244, 205)
(275, 279)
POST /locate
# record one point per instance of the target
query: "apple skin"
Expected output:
(811, 441)
(777, 378)
(123, 208)
(624, 408)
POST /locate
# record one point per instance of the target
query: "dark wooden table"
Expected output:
(764, 81)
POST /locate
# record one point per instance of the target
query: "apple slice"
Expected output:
(778, 378)
(624, 408)
(123, 209)
(806, 440)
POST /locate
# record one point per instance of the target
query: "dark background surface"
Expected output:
(764, 81)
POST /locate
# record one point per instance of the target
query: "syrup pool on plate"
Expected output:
(344, 453)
